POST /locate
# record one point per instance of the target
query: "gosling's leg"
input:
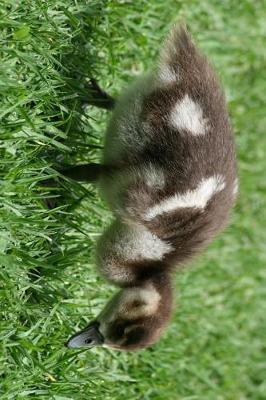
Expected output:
(86, 173)
(98, 97)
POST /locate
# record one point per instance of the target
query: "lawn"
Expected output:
(215, 347)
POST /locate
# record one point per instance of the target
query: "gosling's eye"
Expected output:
(120, 329)
(136, 334)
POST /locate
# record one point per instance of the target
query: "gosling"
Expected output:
(169, 176)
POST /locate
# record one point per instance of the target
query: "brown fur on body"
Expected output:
(184, 159)
(168, 143)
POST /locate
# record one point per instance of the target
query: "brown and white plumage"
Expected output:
(170, 180)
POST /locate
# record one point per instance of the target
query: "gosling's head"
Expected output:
(133, 319)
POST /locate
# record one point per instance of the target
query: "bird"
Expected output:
(169, 176)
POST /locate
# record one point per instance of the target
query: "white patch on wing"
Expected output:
(197, 198)
(188, 115)
(167, 74)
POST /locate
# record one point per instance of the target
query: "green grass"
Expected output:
(215, 346)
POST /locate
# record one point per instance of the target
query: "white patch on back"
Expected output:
(167, 75)
(188, 115)
(197, 198)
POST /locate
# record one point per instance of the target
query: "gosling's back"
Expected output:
(171, 154)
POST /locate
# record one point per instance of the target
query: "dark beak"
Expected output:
(89, 337)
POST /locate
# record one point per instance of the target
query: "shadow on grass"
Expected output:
(77, 67)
